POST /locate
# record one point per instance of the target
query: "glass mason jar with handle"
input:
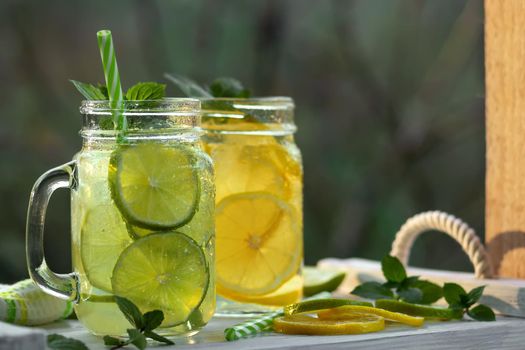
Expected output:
(258, 178)
(142, 218)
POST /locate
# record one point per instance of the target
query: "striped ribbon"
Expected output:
(260, 323)
(25, 304)
(111, 74)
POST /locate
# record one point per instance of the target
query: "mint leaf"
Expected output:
(187, 86)
(59, 342)
(431, 292)
(158, 337)
(228, 87)
(410, 295)
(393, 270)
(153, 319)
(373, 290)
(454, 294)
(146, 91)
(104, 90)
(137, 338)
(391, 285)
(89, 91)
(474, 295)
(112, 341)
(130, 311)
(482, 313)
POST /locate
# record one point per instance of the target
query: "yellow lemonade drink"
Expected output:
(258, 177)
(142, 218)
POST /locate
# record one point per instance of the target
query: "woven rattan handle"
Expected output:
(452, 226)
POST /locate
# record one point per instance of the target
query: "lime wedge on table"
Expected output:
(317, 280)
(103, 237)
(154, 186)
(425, 311)
(304, 324)
(165, 271)
(320, 304)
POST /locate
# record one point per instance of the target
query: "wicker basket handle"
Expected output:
(452, 226)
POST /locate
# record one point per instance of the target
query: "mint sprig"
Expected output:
(144, 325)
(228, 87)
(59, 342)
(458, 298)
(399, 285)
(138, 92)
(220, 88)
(91, 92)
(146, 91)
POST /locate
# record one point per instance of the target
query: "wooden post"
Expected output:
(505, 122)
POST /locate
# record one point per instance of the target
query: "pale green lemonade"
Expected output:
(143, 222)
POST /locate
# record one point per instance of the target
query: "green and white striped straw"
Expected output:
(109, 62)
(261, 323)
(25, 304)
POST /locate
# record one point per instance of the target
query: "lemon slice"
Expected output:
(305, 324)
(103, 236)
(288, 293)
(259, 245)
(317, 280)
(154, 186)
(342, 312)
(256, 168)
(165, 271)
(320, 304)
(425, 311)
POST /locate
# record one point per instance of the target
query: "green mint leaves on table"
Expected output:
(220, 87)
(138, 92)
(59, 342)
(458, 298)
(144, 325)
(399, 285)
(411, 289)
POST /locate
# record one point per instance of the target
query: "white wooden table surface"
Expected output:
(505, 333)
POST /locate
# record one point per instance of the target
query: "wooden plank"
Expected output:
(506, 333)
(506, 296)
(505, 122)
(21, 338)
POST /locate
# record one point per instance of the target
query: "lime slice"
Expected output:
(304, 324)
(425, 311)
(320, 304)
(165, 271)
(103, 237)
(154, 186)
(349, 311)
(202, 225)
(136, 232)
(317, 280)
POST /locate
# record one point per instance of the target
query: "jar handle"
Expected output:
(64, 286)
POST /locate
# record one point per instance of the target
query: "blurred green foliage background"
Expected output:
(389, 98)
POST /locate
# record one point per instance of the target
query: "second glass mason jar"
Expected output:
(259, 223)
(142, 213)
